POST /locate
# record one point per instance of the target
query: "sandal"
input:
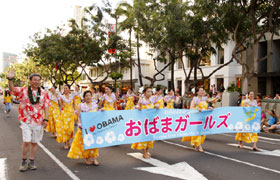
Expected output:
(95, 163)
(199, 149)
(146, 156)
(255, 149)
(241, 147)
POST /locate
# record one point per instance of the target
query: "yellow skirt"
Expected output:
(65, 127)
(247, 137)
(143, 145)
(195, 140)
(77, 148)
(53, 118)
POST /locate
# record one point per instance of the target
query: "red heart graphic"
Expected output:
(91, 129)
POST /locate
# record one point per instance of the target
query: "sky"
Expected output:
(21, 19)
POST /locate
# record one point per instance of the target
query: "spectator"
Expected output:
(178, 101)
(270, 120)
(8, 102)
(277, 96)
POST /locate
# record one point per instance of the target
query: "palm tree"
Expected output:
(130, 24)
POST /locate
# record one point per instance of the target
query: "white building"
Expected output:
(225, 76)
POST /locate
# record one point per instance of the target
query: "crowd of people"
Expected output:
(58, 112)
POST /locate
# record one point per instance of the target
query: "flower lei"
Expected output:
(30, 95)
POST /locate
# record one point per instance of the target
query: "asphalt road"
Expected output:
(172, 159)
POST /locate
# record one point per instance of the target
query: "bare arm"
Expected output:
(11, 75)
(192, 105)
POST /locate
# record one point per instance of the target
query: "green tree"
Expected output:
(247, 23)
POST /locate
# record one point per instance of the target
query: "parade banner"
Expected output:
(110, 128)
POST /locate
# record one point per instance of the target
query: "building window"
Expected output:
(179, 64)
(205, 61)
(84, 77)
(221, 56)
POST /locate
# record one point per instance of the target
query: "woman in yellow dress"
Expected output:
(95, 95)
(169, 99)
(66, 123)
(199, 103)
(158, 98)
(248, 137)
(54, 111)
(129, 100)
(108, 100)
(78, 99)
(145, 102)
(77, 148)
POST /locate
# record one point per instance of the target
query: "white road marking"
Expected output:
(3, 169)
(227, 158)
(59, 163)
(260, 137)
(180, 170)
(271, 139)
(245, 147)
(261, 151)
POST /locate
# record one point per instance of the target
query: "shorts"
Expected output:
(8, 106)
(32, 132)
(277, 126)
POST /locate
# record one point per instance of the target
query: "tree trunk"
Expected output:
(130, 50)
(172, 72)
(245, 84)
(138, 59)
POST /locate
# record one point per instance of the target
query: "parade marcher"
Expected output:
(77, 99)
(129, 100)
(145, 102)
(248, 137)
(170, 99)
(33, 102)
(199, 103)
(65, 127)
(95, 95)
(77, 148)
(159, 98)
(54, 111)
(108, 100)
(8, 102)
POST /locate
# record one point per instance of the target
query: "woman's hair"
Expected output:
(85, 93)
(158, 88)
(68, 86)
(146, 88)
(7, 93)
(273, 112)
(110, 87)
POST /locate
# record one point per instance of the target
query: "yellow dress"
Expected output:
(169, 105)
(54, 116)
(129, 103)
(159, 102)
(65, 127)
(109, 102)
(197, 140)
(147, 144)
(247, 137)
(78, 100)
(77, 148)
